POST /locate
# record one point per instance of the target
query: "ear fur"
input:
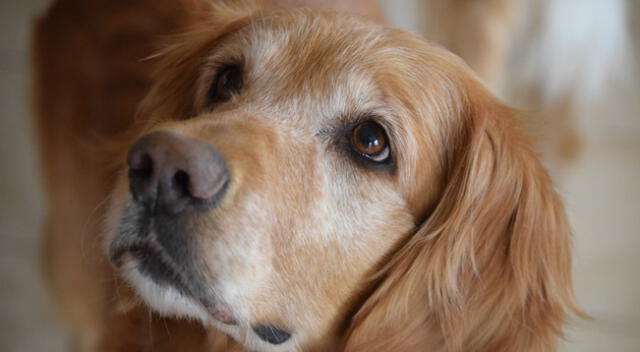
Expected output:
(490, 269)
(221, 11)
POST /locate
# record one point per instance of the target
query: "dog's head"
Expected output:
(307, 179)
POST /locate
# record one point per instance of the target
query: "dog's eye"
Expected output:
(370, 140)
(228, 81)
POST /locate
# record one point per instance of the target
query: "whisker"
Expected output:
(85, 227)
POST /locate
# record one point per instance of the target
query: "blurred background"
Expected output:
(600, 180)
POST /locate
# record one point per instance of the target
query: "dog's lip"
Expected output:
(149, 257)
(154, 264)
(219, 311)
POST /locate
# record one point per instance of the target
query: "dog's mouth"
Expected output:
(169, 276)
(138, 250)
(154, 264)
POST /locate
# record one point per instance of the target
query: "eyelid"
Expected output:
(383, 155)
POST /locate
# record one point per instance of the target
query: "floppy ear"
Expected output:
(490, 269)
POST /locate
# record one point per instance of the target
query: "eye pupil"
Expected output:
(368, 137)
(227, 82)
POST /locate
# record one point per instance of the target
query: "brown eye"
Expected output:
(370, 140)
(228, 81)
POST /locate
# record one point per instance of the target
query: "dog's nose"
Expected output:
(169, 172)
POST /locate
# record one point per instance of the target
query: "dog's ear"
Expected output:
(490, 268)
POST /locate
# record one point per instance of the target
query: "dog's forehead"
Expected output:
(314, 61)
(313, 39)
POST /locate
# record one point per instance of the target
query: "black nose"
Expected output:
(169, 172)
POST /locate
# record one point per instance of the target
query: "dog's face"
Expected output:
(307, 119)
(289, 155)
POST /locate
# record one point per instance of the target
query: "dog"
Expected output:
(293, 179)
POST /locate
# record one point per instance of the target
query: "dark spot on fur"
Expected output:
(272, 334)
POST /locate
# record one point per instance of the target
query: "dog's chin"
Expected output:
(170, 302)
(164, 299)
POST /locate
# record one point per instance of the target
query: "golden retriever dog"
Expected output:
(293, 180)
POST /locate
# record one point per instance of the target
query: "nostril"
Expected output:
(181, 182)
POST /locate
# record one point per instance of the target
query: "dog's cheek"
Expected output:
(237, 250)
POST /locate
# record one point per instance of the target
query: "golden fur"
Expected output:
(463, 246)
